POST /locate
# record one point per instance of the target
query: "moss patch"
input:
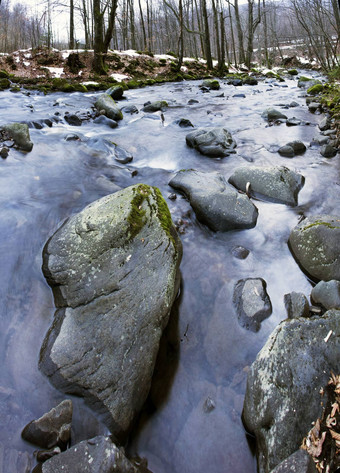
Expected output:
(319, 222)
(164, 215)
(315, 89)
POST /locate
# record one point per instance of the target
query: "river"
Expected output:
(192, 420)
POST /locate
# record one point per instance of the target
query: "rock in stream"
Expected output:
(114, 270)
(214, 142)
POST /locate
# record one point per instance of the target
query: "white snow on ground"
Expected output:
(119, 77)
(90, 82)
(56, 71)
(184, 69)
(66, 52)
(28, 56)
(128, 52)
(164, 56)
(26, 63)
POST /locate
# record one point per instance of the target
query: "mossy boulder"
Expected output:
(111, 110)
(211, 84)
(293, 72)
(132, 84)
(155, 106)
(315, 244)
(4, 74)
(315, 89)
(116, 92)
(250, 80)
(20, 134)
(114, 270)
(307, 82)
(4, 84)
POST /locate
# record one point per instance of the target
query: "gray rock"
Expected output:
(215, 142)
(159, 105)
(116, 92)
(306, 83)
(293, 104)
(20, 134)
(272, 114)
(111, 110)
(293, 122)
(103, 120)
(240, 96)
(122, 155)
(277, 184)
(286, 151)
(184, 123)
(282, 396)
(315, 244)
(250, 81)
(296, 305)
(211, 84)
(114, 270)
(298, 146)
(214, 201)
(252, 302)
(327, 151)
(97, 455)
(72, 119)
(240, 252)
(52, 429)
(313, 107)
(327, 293)
(130, 109)
(4, 151)
(12, 461)
(298, 462)
(236, 82)
(325, 124)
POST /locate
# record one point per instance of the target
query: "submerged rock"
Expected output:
(328, 151)
(214, 201)
(111, 110)
(282, 396)
(20, 134)
(72, 119)
(215, 142)
(315, 243)
(114, 270)
(277, 184)
(327, 293)
(252, 302)
(122, 155)
(52, 429)
(292, 148)
(103, 120)
(272, 114)
(97, 455)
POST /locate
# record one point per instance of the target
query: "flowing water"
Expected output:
(192, 420)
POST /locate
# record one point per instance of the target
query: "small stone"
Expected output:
(327, 151)
(130, 109)
(293, 122)
(192, 101)
(44, 455)
(73, 119)
(313, 107)
(327, 293)
(297, 146)
(241, 96)
(103, 120)
(293, 104)
(209, 405)
(4, 152)
(296, 305)
(240, 252)
(271, 114)
(134, 173)
(325, 124)
(72, 137)
(172, 196)
(52, 429)
(184, 123)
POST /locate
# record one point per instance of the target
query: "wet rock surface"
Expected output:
(94, 264)
(213, 142)
(214, 201)
(282, 396)
(299, 462)
(315, 243)
(327, 294)
(252, 302)
(12, 460)
(159, 105)
(19, 132)
(52, 429)
(296, 305)
(106, 104)
(277, 184)
(272, 114)
(97, 455)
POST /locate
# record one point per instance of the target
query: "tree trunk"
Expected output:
(71, 44)
(98, 43)
(242, 57)
(142, 23)
(207, 47)
(217, 34)
(110, 26)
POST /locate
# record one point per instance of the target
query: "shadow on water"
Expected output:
(192, 420)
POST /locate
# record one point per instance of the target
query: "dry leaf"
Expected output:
(335, 435)
(335, 407)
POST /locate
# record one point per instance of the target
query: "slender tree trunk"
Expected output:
(265, 34)
(207, 46)
(221, 66)
(142, 23)
(98, 43)
(71, 44)
(242, 57)
(110, 26)
(232, 35)
(199, 27)
(217, 34)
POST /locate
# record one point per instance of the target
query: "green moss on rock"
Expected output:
(315, 89)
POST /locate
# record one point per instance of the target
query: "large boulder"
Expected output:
(116, 92)
(159, 105)
(282, 396)
(277, 184)
(315, 244)
(114, 270)
(52, 429)
(214, 201)
(211, 84)
(97, 455)
(327, 294)
(106, 104)
(20, 134)
(215, 142)
(272, 114)
(299, 462)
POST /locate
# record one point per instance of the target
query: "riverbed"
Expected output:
(192, 419)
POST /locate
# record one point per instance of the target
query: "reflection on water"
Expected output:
(191, 422)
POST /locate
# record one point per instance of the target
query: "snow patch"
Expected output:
(119, 77)
(56, 71)
(26, 63)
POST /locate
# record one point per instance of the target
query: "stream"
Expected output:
(192, 420)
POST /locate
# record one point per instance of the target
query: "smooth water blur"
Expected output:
(192, 420)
